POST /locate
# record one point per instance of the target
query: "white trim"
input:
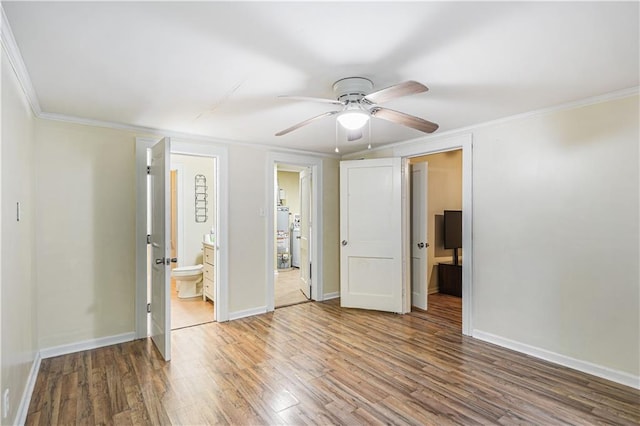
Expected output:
(247, 313)
(87, 345)
(17, 63)
(317, 258)
(23, 408)
(172, 133)
(332, 295)
(566, 361)
(142, 145)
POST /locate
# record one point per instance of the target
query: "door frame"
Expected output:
(426, 147)
(181, 146)
(315, 164)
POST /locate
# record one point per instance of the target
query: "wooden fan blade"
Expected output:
(311, 99)
(402, 89)
(404, 119)
(305, 122)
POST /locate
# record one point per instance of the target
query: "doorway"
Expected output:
(437, 200)
(193, 224)
(291, 280)
(309, 170)
(220, 211)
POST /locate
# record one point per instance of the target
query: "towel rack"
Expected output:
(201, 199)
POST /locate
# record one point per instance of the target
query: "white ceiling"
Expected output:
(216, 68)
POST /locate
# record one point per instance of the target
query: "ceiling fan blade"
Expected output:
(311, 99)
(402, 89)
(404, 119)
(305, 122)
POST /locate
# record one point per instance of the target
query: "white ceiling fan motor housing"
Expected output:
(352, 89)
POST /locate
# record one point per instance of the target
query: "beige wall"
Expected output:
(444, 193)
(17, 289)
(86, 246)
(290, 183)
(247, 229)
(555, 226)
(193, 233)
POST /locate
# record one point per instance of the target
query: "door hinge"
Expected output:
(148, 238)
(148, 307)
(310, 265)
(148, 170)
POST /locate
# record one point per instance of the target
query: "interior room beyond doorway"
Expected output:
(193, 226)
(287, 262)
(443, 194)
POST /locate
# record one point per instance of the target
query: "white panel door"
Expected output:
(160, 247)
(371, 234)
(419, 229)
(305, 232)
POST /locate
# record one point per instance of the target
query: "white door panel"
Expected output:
(419, 229)
(160, 233)
(371, 234)
(305, 232)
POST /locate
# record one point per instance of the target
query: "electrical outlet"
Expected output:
(5, 403)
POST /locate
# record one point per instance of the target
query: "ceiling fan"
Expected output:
(359, 104)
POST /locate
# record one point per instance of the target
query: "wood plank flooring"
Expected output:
(316, 363)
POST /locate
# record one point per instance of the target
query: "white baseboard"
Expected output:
(86, 345)
(329, 296)
(576, 364)
(23, 408)
(247, 313)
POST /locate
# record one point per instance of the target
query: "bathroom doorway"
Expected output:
(193, 225)
(160, 305)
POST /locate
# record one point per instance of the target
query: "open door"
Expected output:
(160, 247)
(419, 231)
(371, 234)
(305, 232)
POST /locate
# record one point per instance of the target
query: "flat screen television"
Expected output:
(453, 232)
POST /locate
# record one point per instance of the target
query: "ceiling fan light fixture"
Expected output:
(353, 120)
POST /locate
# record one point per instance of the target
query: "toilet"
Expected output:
(188, 281)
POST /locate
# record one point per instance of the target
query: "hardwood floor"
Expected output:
(287, 288)
(316, 363)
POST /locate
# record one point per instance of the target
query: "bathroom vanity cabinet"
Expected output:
(208, 273)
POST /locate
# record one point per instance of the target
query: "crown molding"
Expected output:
(142, 131)
(611, 96)
(15, 59)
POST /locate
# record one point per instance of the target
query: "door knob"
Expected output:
(420, 245)
(160, 261)
(174, 260)
(344, 242)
